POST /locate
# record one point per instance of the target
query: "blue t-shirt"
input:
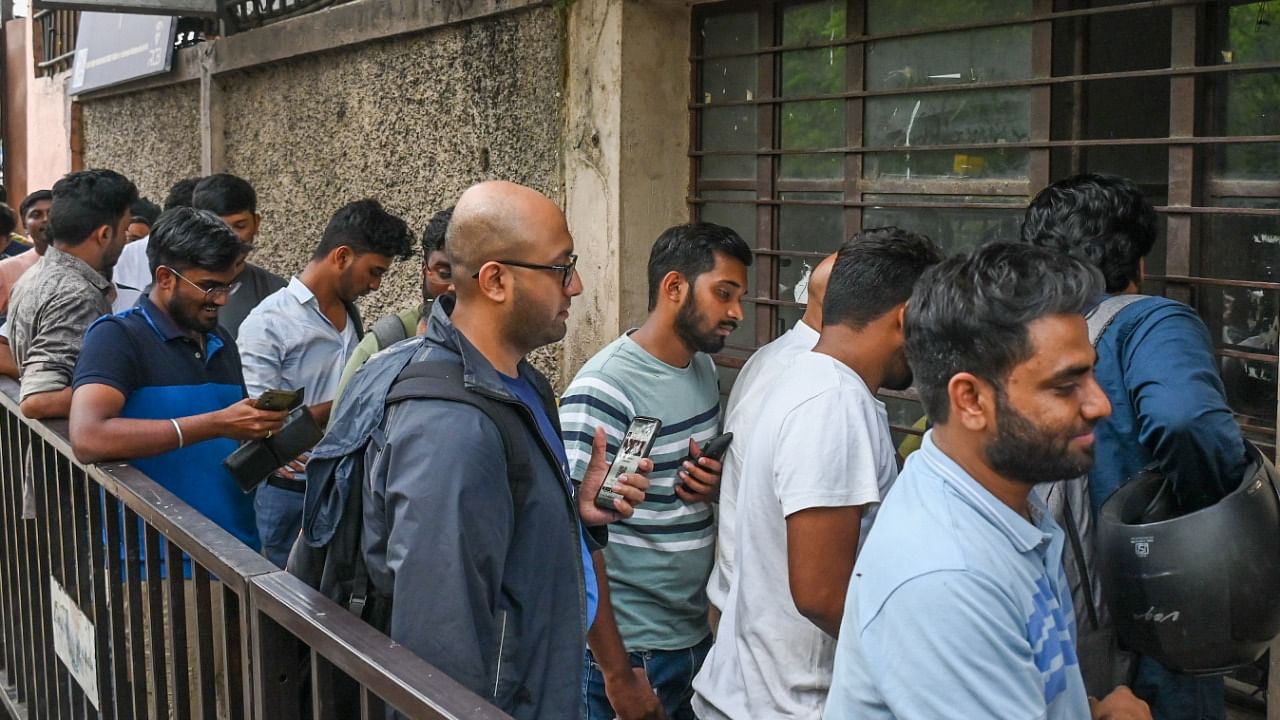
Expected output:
(959, 608)
(163, 373)
(527, 394)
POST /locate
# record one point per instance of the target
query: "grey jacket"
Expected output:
(495, 600)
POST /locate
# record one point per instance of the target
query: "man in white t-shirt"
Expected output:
(133, 269)
(817, 463)
(751, 390)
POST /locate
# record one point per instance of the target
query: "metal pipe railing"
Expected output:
(118, 600)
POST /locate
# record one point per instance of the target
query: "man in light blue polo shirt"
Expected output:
(959, 607)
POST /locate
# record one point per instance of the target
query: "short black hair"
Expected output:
(365, 227)
(8, 221)
(32, 199)
(434, 234)
(224, 194)
(144, 211)
(180, 194)
(1101, 219)
(184, 238)
(691, 250)
(970, 314)
(874, 273)
(85, 201)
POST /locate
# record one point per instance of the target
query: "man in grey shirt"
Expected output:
(301, 337)
(235, 201)
(56, 301)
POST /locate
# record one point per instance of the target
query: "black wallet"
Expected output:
(254, 461)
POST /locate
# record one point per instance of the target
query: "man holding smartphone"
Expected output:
(818, 463)
(651, 633)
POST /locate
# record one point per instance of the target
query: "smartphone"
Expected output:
(279, 399)
(636, 444)
(715, 448)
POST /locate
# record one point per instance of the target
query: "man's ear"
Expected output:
(494, 282)
(343, 256)
(972, 401)
(674, 287)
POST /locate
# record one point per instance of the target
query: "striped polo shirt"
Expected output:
(959, 607)
(660, 558)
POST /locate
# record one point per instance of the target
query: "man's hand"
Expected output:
(244, 421)
(1121, 704)
(631, 486)
(632, 698)
(296, 468)
(699, 482)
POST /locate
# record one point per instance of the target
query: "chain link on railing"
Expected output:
(117, 600)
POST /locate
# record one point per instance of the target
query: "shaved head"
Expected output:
(496, 220)
(818, 291)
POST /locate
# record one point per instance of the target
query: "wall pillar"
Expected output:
(626, 161)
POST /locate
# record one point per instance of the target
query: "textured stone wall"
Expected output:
(411, 121)
(152, 137)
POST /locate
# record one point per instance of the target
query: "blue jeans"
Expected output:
(1174, 696)
(670, 674)
(279, 514)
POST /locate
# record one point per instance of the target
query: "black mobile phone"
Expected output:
(636, 444)
(715, 448)
(279, 399)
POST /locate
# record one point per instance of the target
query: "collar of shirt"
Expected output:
(1022, 534)
(55, 256)
(168, 330)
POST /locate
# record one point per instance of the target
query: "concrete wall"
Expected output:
(152, 137)
(38, 114)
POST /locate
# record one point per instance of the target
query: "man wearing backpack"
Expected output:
(1169, 407)
(456, 485)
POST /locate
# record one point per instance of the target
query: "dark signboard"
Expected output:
(112, 48)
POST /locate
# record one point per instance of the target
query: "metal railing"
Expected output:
(118, 600)
(241, 15)
(55, 40)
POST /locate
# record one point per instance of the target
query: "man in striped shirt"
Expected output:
(651, 633)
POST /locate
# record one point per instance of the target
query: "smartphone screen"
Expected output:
(634, 448)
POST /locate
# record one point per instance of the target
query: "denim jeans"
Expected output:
(670, 674)
(1174, 696)
(279, 514)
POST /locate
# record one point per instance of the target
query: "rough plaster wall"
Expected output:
(410, 121)
(152, 137)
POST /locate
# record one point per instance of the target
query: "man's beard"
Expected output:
(689, 322)
(1027, 453)
(189, 320)
(528, 327)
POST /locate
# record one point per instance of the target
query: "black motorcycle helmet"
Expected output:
(1199, 592)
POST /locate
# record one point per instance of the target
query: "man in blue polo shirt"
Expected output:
(959, 607)
(161, 385)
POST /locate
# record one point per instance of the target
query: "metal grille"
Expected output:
(186, 621)
(55, 40)
(812, 120)
(247, 14)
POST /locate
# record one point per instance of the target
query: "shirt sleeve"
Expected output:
(54, 346)
(1180, 402)
(952, 644)
(591, 401)
(108, 358)
(261, 354)
(825, 454)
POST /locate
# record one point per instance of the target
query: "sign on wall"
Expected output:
(74, 640)
(113, 48)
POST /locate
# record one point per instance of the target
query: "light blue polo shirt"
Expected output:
(959, 608)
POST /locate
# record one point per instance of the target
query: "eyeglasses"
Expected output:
(567, 270)
(212, 295)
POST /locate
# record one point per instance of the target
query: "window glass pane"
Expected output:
(950, 59)
(728, 79)
(813, 72)
(1242, 247)
(811, 228)
(954, 229)
(885, 16)
(739, 215)
(729, 33)
(1245, 320)
(813, 125)
(792, 271)
(728, 128)
(813, 22)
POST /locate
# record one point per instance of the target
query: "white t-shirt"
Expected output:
(821, 440)
(132, 268)
(751, 390)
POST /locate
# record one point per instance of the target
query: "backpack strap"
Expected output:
(389, 330)
(442, 380)
(1105, 312)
